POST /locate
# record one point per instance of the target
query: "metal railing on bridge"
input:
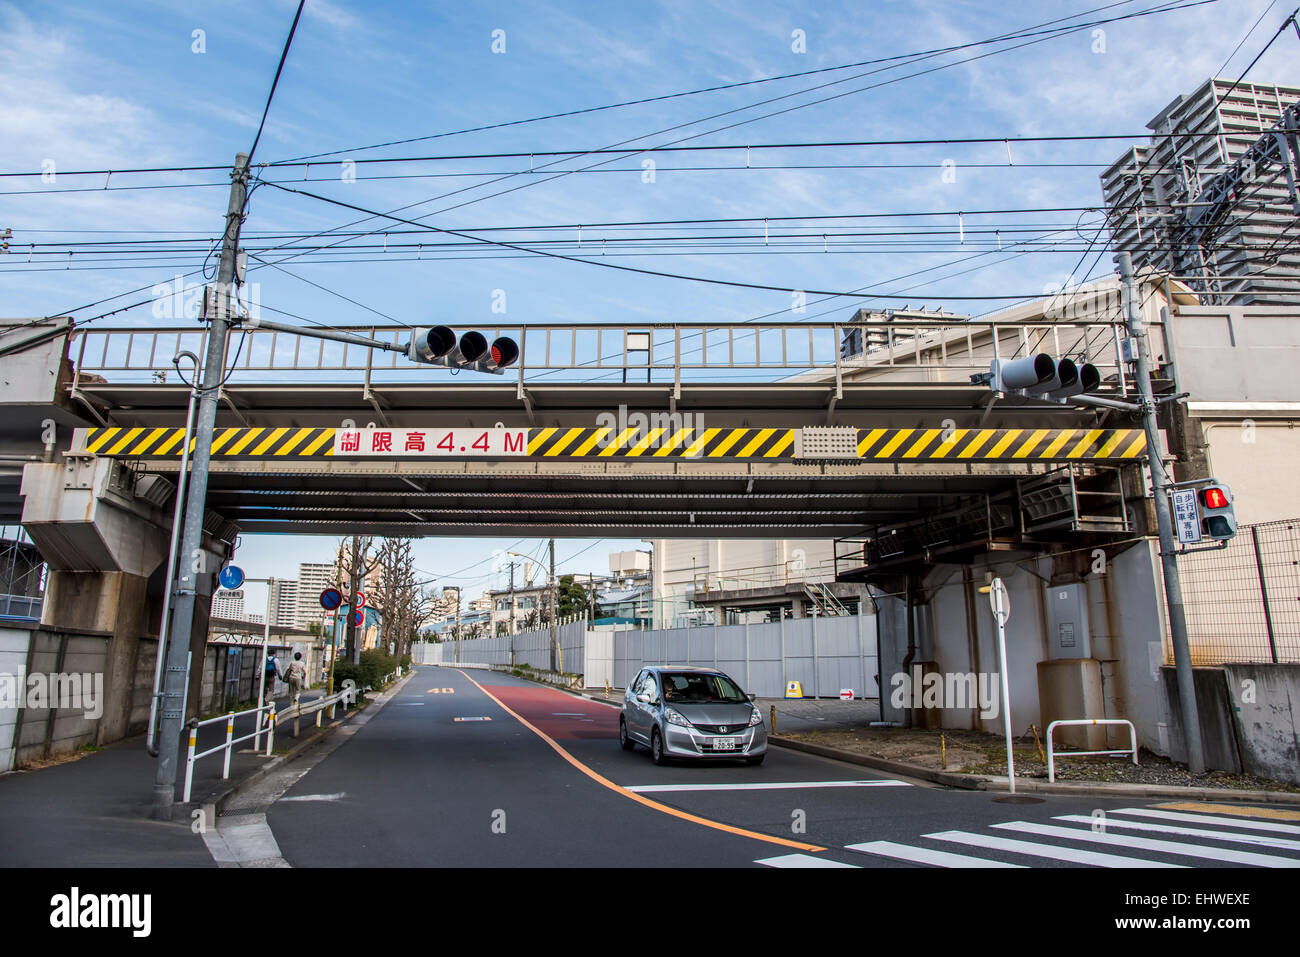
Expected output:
(930, 350)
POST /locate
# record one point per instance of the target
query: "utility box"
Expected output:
(1068, 633)
(1069, 689)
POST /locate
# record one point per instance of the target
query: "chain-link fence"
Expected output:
(1243, 601)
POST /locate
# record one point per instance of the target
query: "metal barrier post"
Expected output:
(270, 731)
(230, 733)
(189, 760)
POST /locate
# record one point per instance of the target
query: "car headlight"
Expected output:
(755, 718)
(676, 718)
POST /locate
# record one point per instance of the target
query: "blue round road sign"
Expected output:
(331, 598)
(232, 576)
(358, 616)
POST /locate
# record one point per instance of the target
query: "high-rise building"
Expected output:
(1213, 198)
(228, 604)
(284, 603)
(313, 578)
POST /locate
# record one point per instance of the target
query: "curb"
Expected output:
(234, 790)
(976, 782)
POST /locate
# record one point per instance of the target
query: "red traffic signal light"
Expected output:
(1213, 497)
(1218, 519)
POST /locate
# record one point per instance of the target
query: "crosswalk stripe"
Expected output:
(801, 860)
(924, 855)
(1252, 825)
(1263, 840)
(1074, 855)
(1150, 844)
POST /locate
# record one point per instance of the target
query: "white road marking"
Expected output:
(801, 860)
(315, 797)
(1250, 824)
(568, 714)
(923, 855)
(1051, 851)
(1262, 840)
(471, 719)
(1150, 844)
(764, 786)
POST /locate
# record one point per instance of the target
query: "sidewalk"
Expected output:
(94, 811)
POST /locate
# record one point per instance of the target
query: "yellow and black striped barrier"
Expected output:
(703, 444)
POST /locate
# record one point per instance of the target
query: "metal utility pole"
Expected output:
(1164, 523)
(512, 614)
(553, 607)
(191, 565)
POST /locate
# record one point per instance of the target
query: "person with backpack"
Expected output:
(272, 672)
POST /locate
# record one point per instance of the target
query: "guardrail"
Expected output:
(347, 696)
(1051, 755)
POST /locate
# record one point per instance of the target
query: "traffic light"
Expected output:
(439, 346)
(1041, 375)
(1218, 520)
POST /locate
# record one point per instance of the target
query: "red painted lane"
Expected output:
(539, 707)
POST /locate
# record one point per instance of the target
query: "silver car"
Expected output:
(691, 713)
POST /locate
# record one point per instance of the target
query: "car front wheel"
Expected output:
(657, 748)
(626, 743)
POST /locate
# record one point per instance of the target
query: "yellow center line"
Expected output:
(632, 795)
(700, 443)
(540, 440)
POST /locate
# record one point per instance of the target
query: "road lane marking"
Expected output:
(315, 797)
(471, 719)
(764, 786)
(653, 805)
(1233, 837)
(924, 855)
(1235, 810)
(1206, 819)
(1073, 855)
(802, 860)
(1150, 844)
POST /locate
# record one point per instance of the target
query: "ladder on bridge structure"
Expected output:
(824, 600)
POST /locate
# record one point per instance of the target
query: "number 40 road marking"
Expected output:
(442, 691)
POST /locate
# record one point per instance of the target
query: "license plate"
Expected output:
(724, 744)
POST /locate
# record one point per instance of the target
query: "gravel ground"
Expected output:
(973, 752)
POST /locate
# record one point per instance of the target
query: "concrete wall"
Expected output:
(531, 648)
(1265, 699)
(15, 640)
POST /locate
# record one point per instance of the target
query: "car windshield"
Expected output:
(700, 689)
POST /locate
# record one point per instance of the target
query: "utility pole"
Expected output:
(191, 555)
(1168, 558)
(553, 608)
(512, 614)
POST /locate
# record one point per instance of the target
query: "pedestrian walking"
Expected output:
(296, 675)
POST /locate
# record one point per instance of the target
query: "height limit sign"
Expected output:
(1187, 516)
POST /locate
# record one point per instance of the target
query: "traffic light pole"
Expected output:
(190, 565)
(1164, 523)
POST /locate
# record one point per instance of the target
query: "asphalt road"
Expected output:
(474, 768)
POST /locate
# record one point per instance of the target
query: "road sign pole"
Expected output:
(190, 565)
(1164, 525)
(1001, 612)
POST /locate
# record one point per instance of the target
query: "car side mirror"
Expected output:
(751, 696)
(643, 698)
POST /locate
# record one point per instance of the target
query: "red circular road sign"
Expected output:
(361, 599)
(358, 617)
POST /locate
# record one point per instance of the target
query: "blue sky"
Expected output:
(89, 85)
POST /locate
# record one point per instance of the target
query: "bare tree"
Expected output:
(354, 562)
(402, 605)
